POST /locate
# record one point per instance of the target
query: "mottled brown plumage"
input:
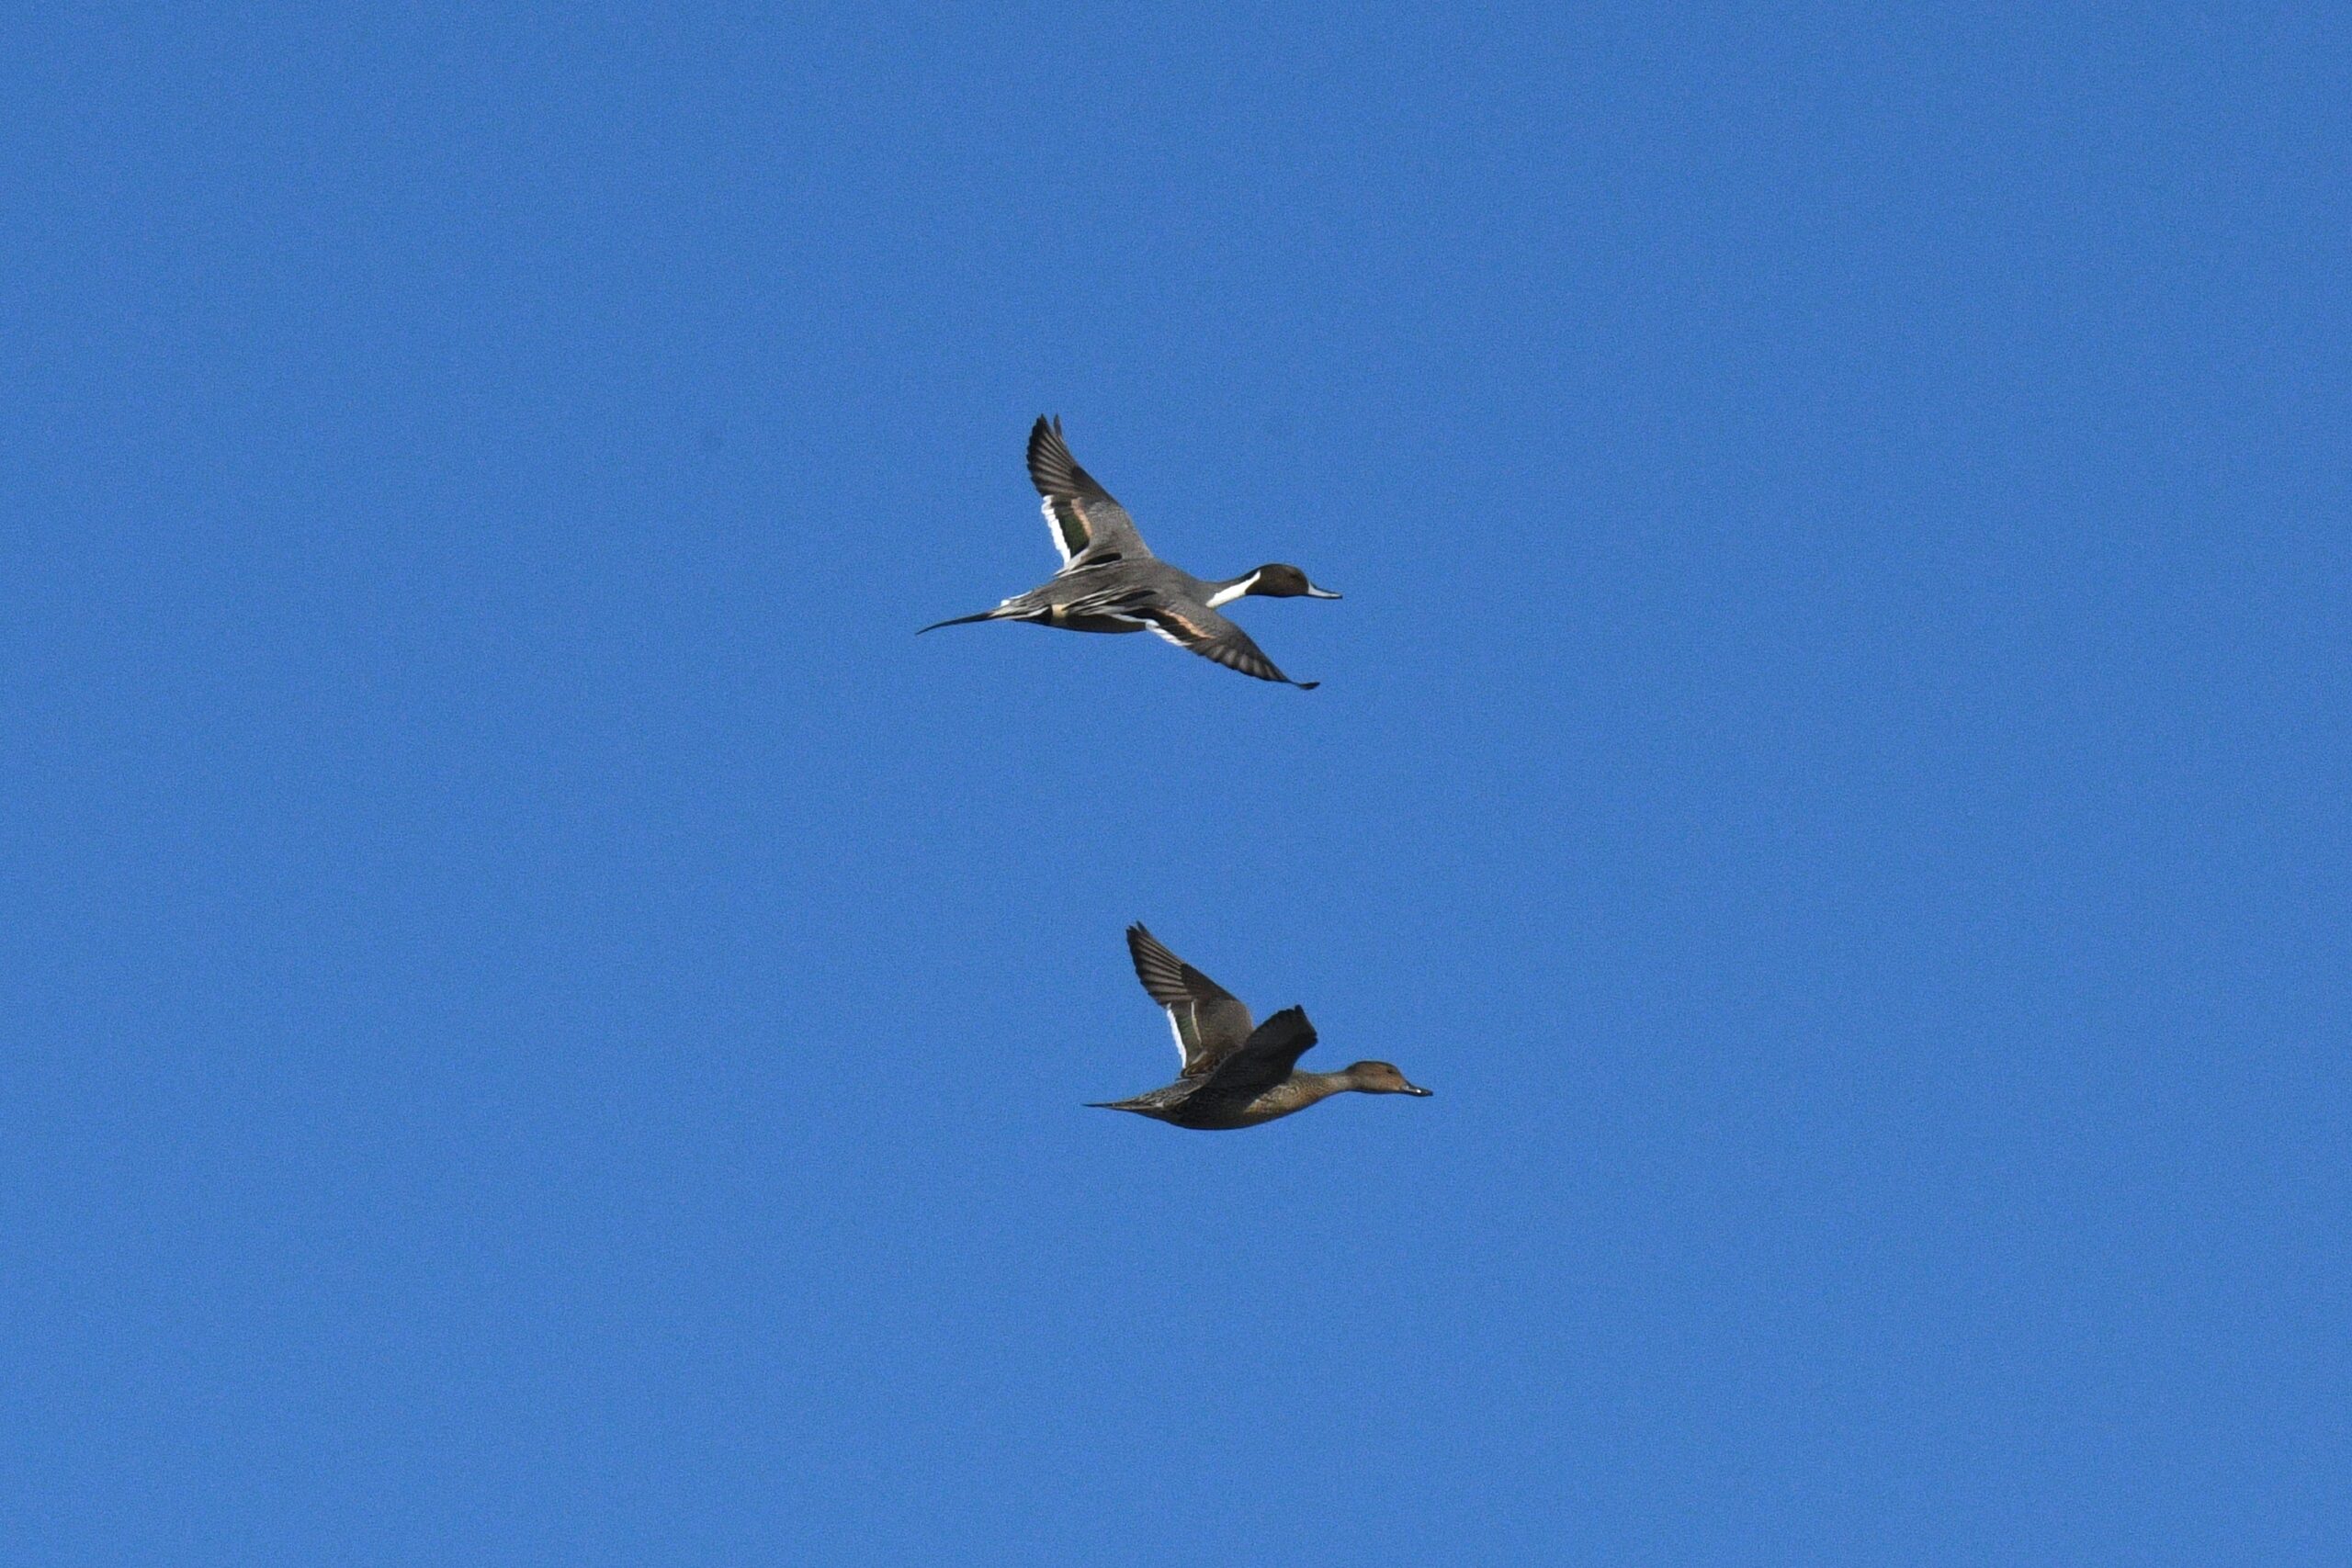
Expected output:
(1234, 1075)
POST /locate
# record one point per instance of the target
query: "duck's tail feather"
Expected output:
(996, 614)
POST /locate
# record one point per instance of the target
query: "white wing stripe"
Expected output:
(1054, 527)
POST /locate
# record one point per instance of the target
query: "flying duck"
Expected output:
(1234, 1075)
(1110, 581)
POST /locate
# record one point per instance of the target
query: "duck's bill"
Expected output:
(1416, 1089)
(1314, 593)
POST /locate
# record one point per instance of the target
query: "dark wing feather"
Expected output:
(1211, 636)
(1090, 528)
(1265, 1059)
(1210, 1022)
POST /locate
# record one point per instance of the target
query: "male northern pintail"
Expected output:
(1234, 1075)
(1110, 581)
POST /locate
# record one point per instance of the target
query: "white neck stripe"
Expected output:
(1228, 595)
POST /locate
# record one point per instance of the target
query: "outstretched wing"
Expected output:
(1264, 1059)
(1209, 1022)
(1211, 636)
(1089, 528)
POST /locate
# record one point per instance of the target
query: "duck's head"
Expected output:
(1380, 1077)
(1276, 581)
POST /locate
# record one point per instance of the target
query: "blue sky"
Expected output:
(544, 1026)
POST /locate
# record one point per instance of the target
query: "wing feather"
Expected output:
(1264, 1059)
(1087, 526)
(1209, 1022)
(1213, 636)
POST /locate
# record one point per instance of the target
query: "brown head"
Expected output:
(1379, 1077)
(1276, 581)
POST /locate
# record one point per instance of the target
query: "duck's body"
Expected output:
(1234, 1075)
(1110, 581)
(1185, 1104)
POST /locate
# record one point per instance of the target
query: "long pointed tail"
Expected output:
(995, 614)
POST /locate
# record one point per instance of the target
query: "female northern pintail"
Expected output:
(1110, 581)
(1234, 1075)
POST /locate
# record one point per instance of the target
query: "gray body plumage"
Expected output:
(1110, 581)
